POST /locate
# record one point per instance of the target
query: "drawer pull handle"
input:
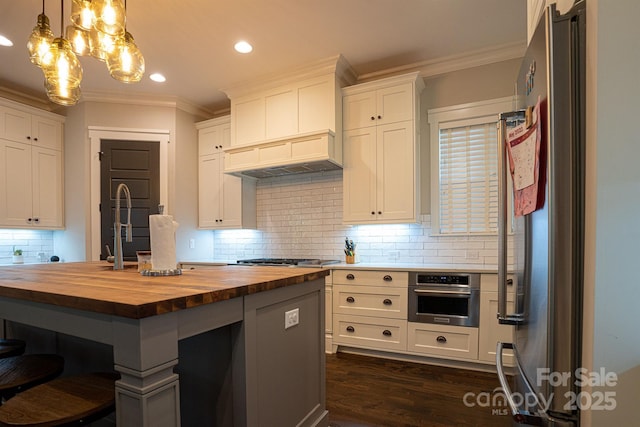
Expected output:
(387, 278)
(351, 299)
(441, 339)
(386, 333)
(387, 301)
(350, 329)
(509, 282)
(350, 276)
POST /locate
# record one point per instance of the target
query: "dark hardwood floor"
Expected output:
(365, 391)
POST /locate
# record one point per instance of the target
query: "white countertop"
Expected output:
(445, 268)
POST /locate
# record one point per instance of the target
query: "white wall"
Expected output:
(613, 234)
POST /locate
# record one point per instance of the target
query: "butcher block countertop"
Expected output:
(96, 287)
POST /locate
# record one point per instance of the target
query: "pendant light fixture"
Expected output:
(98, 29)
(62, 71)
(40, 39)
(126, 63)
(110, 16)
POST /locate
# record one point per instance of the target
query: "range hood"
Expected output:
(313, 152)
(290, 123)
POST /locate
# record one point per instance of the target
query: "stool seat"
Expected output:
(18, 373)
(63, 401)
(11, 347)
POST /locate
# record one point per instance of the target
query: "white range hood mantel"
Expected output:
(290, 123)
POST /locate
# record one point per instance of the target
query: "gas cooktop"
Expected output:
(293, 262)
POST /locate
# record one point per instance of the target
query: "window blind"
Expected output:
(468, 178)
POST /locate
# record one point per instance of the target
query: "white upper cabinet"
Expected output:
(31, 168)
(386, 105)
(224, 201)
(381, 151)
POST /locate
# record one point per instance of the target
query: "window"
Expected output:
(464, 164)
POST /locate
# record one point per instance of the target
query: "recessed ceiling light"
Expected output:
(5, 41)
(157, 77)
(243, 47)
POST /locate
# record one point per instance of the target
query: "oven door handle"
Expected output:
(442, 292)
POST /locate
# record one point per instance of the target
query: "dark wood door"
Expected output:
(136, 164)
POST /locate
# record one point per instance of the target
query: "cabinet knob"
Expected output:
(441, 339)
(373, 118)
(28, 137)
(387, 278)
(29, 220)
(351, 299)
(379, 212)
(373, 213)
(350, 329)
(386, 333)
(36, 220)
(350, 276)
(387, 301)
(35, 139)
(509, 282)
(379, 117)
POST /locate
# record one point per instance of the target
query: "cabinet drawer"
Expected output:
(446, 341)
(370, 332)
(388, 302)
(371, 277)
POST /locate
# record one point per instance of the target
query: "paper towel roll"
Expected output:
(162, 230)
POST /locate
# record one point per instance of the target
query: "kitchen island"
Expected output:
(274, 375)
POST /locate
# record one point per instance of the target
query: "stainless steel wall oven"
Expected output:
(444, 298)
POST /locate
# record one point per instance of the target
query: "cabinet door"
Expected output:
(15, 184)
(359, 110)
(211, 140)
(209, 191)
(395, 104)
(46, 133)
(491, 331)
(316, 105)
(396, 181)
(47, 188)
(359, 175)
(16, 125)
(231, 200)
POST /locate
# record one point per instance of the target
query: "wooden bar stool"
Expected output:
(11, 347)
(65, 401)
(19, 373)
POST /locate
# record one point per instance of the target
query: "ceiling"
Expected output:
(191, 41)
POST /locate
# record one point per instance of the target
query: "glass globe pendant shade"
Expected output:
(126, 63)
(62, 95)
(40, 41)
(109, 16)
(82, 14)
(64, 73)
(101, 44)
(79, 40)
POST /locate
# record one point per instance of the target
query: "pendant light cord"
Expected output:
(61, 18)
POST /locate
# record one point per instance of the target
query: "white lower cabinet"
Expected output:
(455, 342)
(370, 311)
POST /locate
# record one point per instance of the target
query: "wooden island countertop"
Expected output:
(96, 287)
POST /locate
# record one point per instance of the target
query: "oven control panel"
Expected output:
(471, 280)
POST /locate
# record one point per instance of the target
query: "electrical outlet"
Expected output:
(291, 318)
(472, 254)
(192, 243)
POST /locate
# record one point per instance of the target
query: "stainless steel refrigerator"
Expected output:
(548, 244)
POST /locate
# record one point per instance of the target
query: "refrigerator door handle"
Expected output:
(540, 418)
(503, 317)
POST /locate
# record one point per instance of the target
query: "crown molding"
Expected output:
(452, 63)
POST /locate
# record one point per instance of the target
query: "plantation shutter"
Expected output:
(468, 176)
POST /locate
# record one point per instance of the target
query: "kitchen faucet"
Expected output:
(118, 262)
